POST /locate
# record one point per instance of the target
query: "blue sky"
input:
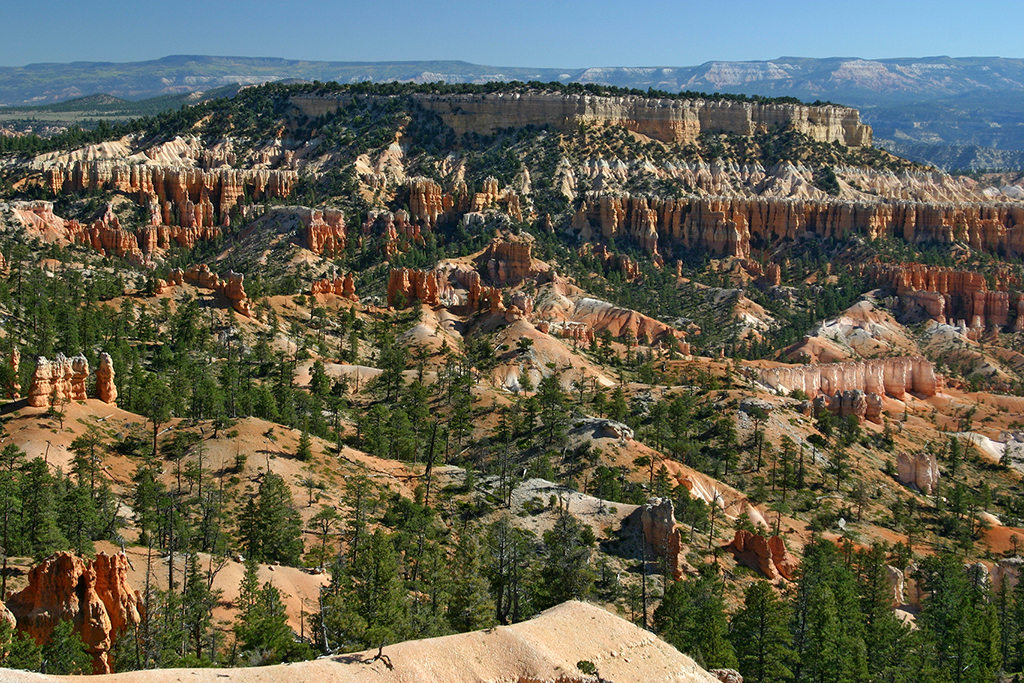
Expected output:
(551, 33)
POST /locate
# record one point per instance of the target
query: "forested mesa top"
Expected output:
(666, 117)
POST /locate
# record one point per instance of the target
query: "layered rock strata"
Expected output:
(918, 469)
(668, 120)
(726, 225)
(176, 195)
(887, 376)
(58, 381)
(660, 532)
(766, 554)
(947, 295)
(94, 595)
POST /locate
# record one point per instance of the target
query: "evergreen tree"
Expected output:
(18, 650)
(760, 635)
(691, 617)
(64, 653)
(379, 594)
(828, 648)
(198, 601)
(270, 527)
(470, 607)
(959, 622)
(566, 573)
(508, 569)
(261, 628)
(39, 511)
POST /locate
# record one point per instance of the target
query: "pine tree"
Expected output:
(39, 510)
(508, 566)
(198, 601)
(261, 627)
(64, 653)
(470, 607)
(885, 637)
(760, 635)
(827, 647)
(380, 597)
(958, 621)
(691, 617)
(566, 573)
(18, 650)
(269, 525)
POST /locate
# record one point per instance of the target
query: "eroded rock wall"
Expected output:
(951, 295)
(183, 196)
(918, 469)
(58, 381)
(726, 225)
(660, 532)
(885, 376)
(93, 594)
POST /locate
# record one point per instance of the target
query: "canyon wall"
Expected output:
(64, 379)
(668, 120)
(886, 376)
(727, 226)
(954, 296)
(175, 195)
(94, 595)
(184, 204)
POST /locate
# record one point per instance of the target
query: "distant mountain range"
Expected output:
(922, 105)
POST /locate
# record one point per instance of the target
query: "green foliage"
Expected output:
(692, 618)
(261, 628)
(64, 653)
(760, 635)
(566, 573)
(270, 528)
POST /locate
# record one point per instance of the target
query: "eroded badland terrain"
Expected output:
(319, 369)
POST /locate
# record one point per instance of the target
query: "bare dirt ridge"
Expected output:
(544, 649)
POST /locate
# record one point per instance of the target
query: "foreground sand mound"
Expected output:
(540, 650)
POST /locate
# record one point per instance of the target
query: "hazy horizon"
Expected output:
(568, 35)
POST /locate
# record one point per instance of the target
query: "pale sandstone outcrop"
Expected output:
(919, 469)
(897, 583)
(14, 362)
(661, 533)
(886, 376)
(57, 381)
(106, 390)
(341, 285)
(668, 120)
(94, 595)
(1009, 570)
(232, 287)
(545, 648)
(726, 675)
(769, 555)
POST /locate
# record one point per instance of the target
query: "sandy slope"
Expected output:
(544, 649)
